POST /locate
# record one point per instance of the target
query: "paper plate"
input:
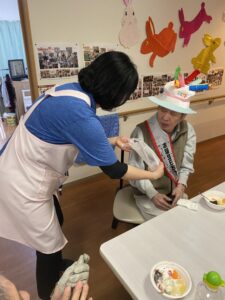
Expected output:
(171, 280)
(214, 199)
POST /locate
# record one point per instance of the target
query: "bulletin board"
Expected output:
(84, 26)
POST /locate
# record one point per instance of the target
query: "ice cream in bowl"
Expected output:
(171, 280)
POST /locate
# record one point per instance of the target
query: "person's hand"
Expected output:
(158, 173)
(161, 201)
(80, 292)
(178, 193)
(78, 271)
(122, 142)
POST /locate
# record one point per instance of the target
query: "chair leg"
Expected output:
(60, 190)
(114, 223)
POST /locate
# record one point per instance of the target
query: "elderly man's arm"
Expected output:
(144, 186)
(186, 165)
(188, 158)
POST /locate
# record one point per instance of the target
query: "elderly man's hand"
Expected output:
(80, 292)
(161, 201)
(122, 142)
(78, 271)
(178, 193)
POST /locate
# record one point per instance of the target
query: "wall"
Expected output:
(99, 21)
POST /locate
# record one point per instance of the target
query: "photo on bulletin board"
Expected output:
(57, 60)
(92, 51)
(215, 77)
(153, 84)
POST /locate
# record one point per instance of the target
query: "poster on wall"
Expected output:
(92, 51)
(215, 77)
(57, 60)
(153, 84)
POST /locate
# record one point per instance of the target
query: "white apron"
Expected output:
(31, 171)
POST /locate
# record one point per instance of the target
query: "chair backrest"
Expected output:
(122, 160)
(27, 101)
(124, 206)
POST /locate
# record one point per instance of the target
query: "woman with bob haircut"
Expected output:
(61, 123)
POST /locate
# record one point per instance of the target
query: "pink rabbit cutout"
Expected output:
(187, 28)
(129, 33)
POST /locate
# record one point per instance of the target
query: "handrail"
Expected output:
(127, 113)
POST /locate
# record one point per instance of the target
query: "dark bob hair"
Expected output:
(111, 78)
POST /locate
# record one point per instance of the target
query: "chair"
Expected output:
(124, 206)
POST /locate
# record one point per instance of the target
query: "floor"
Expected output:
(87, 207)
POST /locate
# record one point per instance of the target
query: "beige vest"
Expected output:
(31, 170)
(164, 185)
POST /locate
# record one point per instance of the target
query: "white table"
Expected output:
(195, 240)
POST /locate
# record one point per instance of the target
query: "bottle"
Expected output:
(209, 288)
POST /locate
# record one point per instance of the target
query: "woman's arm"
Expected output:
(128, 172)
(134, 173)
(121, 142)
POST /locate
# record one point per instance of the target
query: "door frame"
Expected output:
(28, 45)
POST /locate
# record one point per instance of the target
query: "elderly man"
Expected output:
(174, 141)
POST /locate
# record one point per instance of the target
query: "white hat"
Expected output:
(176, 99)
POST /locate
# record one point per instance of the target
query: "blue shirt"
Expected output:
(69, 120)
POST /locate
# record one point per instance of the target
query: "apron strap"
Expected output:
(54, 93)
(70, 93)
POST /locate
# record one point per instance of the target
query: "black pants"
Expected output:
(48, 266)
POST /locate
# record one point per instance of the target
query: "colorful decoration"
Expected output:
(189, 27)
(159, 44)
(177, 71)
(198, 87)
(194, 86)
(192, 76)
(178, 78)
(202, 61)
(129, 33)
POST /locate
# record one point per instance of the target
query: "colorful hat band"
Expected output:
(174, 100)
(177, 97)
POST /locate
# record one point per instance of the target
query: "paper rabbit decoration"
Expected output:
(202, 61)
(129, 33)
(187, 28)
(159, 44)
